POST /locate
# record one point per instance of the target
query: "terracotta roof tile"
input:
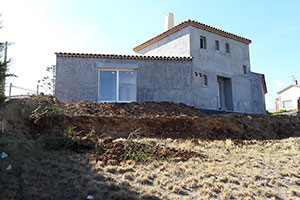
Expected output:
(124, 57)
(196, 25)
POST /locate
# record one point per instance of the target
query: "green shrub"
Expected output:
(140, 155)
(268, 113)
(2, 97)
(282, 111)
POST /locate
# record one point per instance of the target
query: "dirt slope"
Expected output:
(37, 115)
(163, 119)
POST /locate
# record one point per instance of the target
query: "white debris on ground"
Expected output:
(120, 139)
(9, 167)
(3, 155)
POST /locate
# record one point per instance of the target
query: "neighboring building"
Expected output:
(192, 63)
(288, 97)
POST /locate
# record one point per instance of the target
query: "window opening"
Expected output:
(245, 69)
(217, 45)
(202, 42)
(204, 80)
(287, 104)
(227, 47)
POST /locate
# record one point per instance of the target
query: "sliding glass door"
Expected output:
(117, 85)
(108, 82)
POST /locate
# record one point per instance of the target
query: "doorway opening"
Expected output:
(224, 93)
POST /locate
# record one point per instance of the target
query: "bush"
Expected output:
(278, 112)
(282, 111)
(2, 97)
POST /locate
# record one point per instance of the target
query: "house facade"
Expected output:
(288, 98)
(192, 63)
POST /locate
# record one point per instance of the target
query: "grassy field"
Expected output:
(231, 170)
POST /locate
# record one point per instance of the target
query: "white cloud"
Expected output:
(278, 83)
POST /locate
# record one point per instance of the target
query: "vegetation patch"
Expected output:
(56, 143)
(277, 112)
(2, 98)
(46, 109)
(144, 154)
(141, 152)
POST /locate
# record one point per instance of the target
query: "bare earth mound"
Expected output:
(162, 120)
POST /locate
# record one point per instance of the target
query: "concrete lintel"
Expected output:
(117, 66)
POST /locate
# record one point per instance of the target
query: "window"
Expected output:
(117, 85)
(287, 104)
(227, 47)
(108, 89)
(202, 42)
(244, 69)
(217, 45)
(204, 80)
(127, 86)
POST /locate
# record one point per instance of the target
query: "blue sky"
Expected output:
(40, 28)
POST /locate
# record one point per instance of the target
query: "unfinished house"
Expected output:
(192, 63)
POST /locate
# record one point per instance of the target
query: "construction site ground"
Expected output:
(145, 150)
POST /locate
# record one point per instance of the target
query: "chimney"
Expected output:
(295, 82)
(169, 21)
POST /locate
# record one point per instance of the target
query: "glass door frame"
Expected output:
(117, 70)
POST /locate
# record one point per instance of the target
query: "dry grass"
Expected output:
(252, 170)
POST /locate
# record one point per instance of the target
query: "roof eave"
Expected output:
(125, 57)
(286, 88)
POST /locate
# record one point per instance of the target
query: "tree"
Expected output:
(48, 82)
(3, 67)
(4, 73)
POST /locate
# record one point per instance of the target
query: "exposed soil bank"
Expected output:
(38, 115)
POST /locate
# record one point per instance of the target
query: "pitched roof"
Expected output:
(124, 57)
(196, 25)
(288, 87)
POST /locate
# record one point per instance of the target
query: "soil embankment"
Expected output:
(38, 115)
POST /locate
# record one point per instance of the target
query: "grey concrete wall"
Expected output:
(211, 60)
(213, 63)
(176, 44)
(77, 79)
(242, 94)
(165, 81)
(259, 104)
